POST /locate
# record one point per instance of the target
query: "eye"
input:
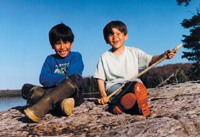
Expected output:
(57, 43)
(110, 35)
(67, 42)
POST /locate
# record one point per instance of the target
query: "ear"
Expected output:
(71, 44)
(126, 36)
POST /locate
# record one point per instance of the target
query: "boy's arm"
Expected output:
(76, 66)
(47, 77)
(102, 90)
(168, 53)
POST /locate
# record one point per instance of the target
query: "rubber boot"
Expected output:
(141, 96)
(35, 95)
(32, 93)
(126, 102)
(26, 89)
(67, 106)
(65, 89)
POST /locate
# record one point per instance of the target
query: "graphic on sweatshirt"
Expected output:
(61, 68)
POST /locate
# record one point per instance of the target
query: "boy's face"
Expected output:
(116, 40)
(63, 49)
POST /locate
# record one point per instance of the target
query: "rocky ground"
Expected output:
(175, 111)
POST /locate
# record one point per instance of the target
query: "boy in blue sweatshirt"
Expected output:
(60, 76)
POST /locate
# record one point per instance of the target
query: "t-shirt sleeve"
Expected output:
(143, 59)
(99, 72)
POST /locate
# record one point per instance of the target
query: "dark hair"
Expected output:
(60, 32)
(114, 24)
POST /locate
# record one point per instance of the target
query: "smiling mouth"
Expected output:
(115, 42)
(62, 51)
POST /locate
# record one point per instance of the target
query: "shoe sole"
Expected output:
(141, 96)
(127, 102)
(31, 115)
(117, 110)
(67, 106)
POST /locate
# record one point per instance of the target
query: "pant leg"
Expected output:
(26, 89)
(129, 87)
(36, 93)
(64, 89)
(32, 93)
(115, 98)
(78, 80)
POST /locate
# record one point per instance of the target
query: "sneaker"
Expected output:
(127, 102)
(141, 96)
(67, 106)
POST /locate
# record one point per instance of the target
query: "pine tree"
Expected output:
(181, 1)
(192, 41)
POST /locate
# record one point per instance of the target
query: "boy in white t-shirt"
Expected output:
(117, 66)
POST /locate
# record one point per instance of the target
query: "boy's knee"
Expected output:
(134, 85)
(25, 90)
(139, 86)
(77, 79)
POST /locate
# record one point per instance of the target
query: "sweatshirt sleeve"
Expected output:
(47, 77)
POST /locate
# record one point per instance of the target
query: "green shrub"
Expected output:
(180, 76)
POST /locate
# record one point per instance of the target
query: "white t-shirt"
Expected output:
(119, 69)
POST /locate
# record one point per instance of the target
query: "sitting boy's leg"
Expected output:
(122, 100)
(35, 95)
(141, 96)
(32, 93)
(140, 92)
(67, 104)
(127, 102)
(64, 90)
(26, 89)
(131, 93)
(78, 80)
(116, 97)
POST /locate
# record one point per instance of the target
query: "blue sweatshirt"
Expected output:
(55, 68)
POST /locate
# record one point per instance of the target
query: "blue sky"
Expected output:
(153, 26)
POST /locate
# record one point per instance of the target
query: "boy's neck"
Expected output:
(118, 51)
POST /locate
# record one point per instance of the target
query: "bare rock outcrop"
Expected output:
(174, 111)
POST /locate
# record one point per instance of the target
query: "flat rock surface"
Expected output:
(174, 111)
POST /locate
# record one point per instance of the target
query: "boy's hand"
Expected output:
(103, 100)
(170, 54)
